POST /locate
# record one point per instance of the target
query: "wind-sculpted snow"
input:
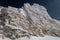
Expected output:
(30, 20)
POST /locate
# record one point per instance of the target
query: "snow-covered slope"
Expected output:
(31, 22)
(35, 38)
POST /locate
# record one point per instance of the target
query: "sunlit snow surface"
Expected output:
(40, 38)
(36, 38)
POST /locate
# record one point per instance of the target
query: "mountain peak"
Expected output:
(30, 20)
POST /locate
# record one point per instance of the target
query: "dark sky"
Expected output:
(53, 6)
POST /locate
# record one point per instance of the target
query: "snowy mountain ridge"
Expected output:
(30, 20)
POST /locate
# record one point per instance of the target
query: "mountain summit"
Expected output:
(30, 20)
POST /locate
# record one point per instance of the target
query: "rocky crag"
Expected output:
(30, 20)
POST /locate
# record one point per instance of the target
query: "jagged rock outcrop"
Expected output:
(26, 21)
